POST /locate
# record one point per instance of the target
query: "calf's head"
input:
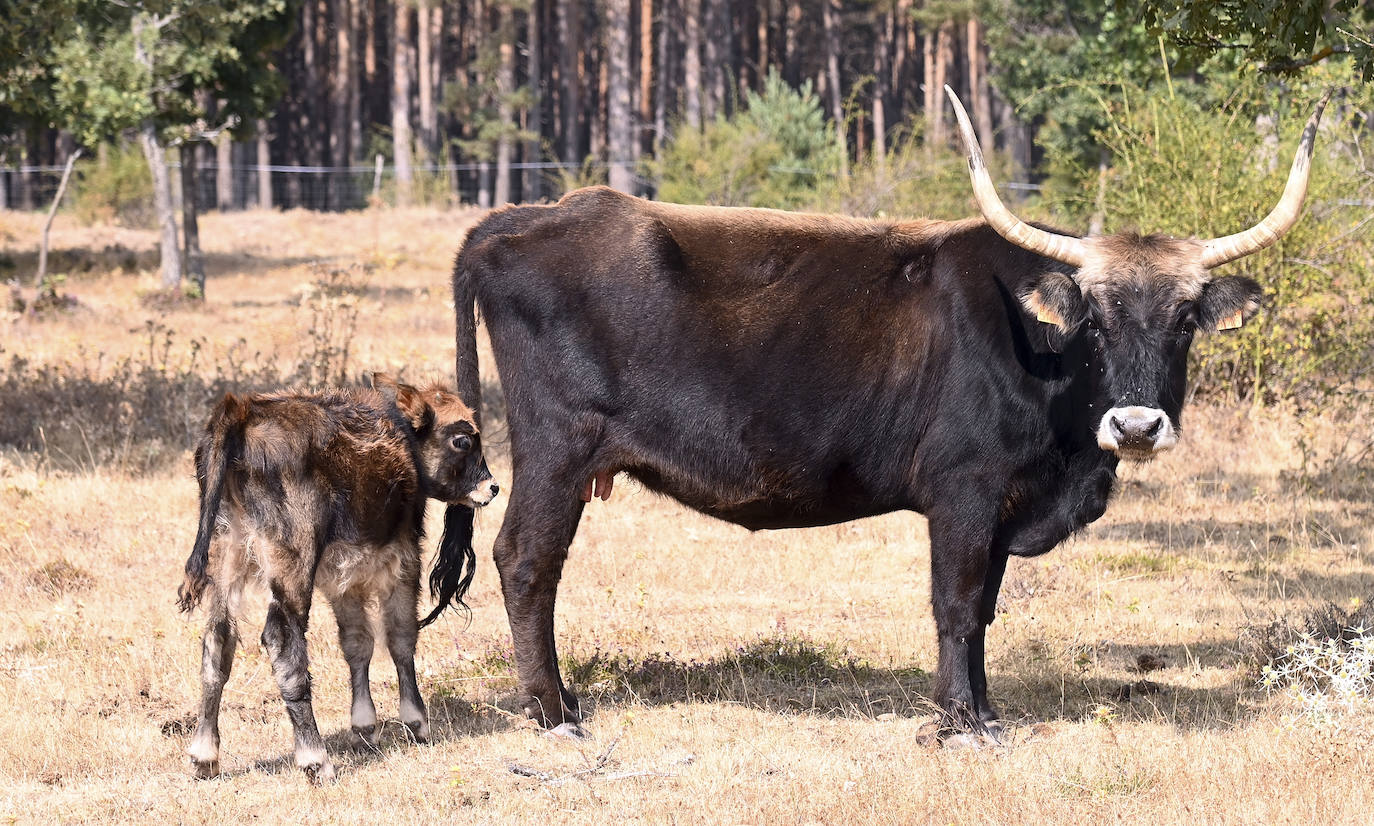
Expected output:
(1136, 302)
(452, 467)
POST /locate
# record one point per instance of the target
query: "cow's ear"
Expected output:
(1228, 302)
(1056, 300)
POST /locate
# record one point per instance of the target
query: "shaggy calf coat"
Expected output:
(328, 490)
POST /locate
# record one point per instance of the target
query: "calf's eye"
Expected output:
(462, 444)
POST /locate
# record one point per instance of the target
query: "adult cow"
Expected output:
(779, 370)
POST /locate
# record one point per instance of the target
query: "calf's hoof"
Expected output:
(319, 774)
(205, 769)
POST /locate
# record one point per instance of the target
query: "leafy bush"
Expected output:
(1186, 169)
(774, 153)
(117, 188)
(913, 180)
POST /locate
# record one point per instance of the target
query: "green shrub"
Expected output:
(774, 153)
(913, 180)
(117, 188)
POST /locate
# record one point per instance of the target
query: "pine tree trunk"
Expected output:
(882, 35)
(832, 74)
(532, 184)
(712, 59)
(400, 103)
(570, 35)
(620, 129)
(978, 80)
(505, 89)
(944, 56)
(646, 76)
(341, 100)
(190, 225)
(667, 9)
(354, 149)
(424, 80)
(691, 57)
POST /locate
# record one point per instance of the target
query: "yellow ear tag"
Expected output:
(1231, 322)
(1045, 317)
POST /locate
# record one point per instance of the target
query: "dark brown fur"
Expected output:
(778, 371)
(326, 490)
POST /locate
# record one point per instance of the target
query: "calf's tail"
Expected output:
(225, 444)
(455, 563)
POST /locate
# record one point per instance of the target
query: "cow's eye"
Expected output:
(462, 444)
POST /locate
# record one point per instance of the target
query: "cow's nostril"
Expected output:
(1117, 427)
(1153, 429)
(495, 489)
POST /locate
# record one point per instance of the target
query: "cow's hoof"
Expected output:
(319, 774)
(205, 769)
(369, 735)
(419, 729)
(568, 731)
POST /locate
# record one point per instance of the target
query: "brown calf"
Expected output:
(327, 490)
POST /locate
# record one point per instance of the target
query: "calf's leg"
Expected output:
(283, 635)
(402, 628)
(216, 660)
(356, 640)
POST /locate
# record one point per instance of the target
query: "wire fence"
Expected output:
(288, 186)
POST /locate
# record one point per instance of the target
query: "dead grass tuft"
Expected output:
(59, 578)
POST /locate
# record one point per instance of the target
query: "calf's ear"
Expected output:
(1228, 302)
(409, 401)
(1056, 300)
(412, 404)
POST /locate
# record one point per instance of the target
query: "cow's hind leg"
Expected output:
(356, 640)
(402, 628)
(283, 635)
(533, 543)
(217, 658)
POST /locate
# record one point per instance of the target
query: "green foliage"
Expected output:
(100, 87)
(1187, 169)
(776, 152)
(913, 180)
(1280, 35)
(116, 190)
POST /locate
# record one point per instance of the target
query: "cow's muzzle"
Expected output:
(1136, 433)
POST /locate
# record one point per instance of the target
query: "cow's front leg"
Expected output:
(963, 580)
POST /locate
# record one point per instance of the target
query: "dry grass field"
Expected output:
(772, 678)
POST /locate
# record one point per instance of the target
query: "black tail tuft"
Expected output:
(455, 563)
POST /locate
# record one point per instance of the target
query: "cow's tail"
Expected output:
(225, 444)
(455, 563)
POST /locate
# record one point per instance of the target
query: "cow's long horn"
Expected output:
(1220, 250)
(1064, 248)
